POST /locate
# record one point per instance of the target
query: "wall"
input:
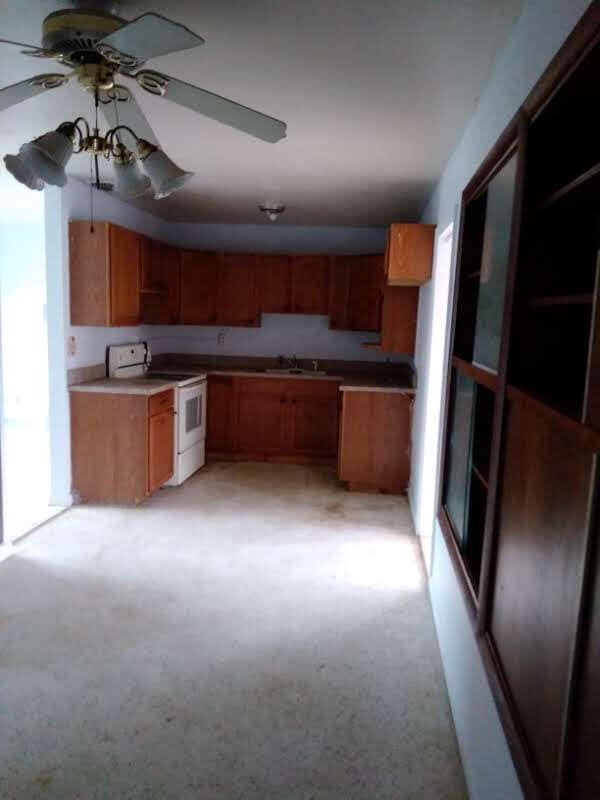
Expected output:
(538, 34)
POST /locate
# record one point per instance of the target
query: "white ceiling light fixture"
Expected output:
(98, 46)
(272, 211)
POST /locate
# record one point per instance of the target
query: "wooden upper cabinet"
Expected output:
(399, 319)
(159, 283)
(409, 254)
(238, 295)
(274, 274)
(356, 293)
(310, 284)
(104, 274)
(199, 288)
(339, 295)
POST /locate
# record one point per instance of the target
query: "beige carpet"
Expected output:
(258, 633)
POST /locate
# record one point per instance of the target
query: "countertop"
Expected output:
(349, 382)
(141, 386)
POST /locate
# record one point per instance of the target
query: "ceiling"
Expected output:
(375, 94)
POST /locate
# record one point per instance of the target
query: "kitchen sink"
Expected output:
(317, 373)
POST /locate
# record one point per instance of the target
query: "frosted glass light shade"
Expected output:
(129, 179)
(164, 174)
(20, 170)
(47, 156)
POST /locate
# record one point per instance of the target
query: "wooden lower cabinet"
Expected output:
(122, 445)
(542, 542)
(375, 430)
(290, 420)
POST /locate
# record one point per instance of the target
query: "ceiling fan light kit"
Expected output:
(98, 46)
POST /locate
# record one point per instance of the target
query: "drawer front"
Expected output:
(160, 402)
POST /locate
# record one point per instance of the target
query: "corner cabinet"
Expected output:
(409, 254)
(104, 274)
(122, 445)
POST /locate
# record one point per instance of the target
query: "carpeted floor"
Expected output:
(257, 634)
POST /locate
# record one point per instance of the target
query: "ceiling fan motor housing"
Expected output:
(76, 32)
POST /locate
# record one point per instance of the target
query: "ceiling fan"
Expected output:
(100, 49)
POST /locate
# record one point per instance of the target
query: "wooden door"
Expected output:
(159, 283)
(161, 433)
(339, 296)
(366, 277)
(275, 283)
(220, 415)
(409, 254)
(124, 276)
(310, 284)
(199, 288)
(261, 416)
(238, 295)
(399, 319)
(314, 418)
(539, 571)
(375, 441)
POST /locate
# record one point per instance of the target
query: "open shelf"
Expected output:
(571, 186)
(483, 481)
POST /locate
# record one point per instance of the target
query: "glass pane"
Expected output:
(192, 413)
(458, 453)
(494, 260)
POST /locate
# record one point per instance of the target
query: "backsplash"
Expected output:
(305, 336)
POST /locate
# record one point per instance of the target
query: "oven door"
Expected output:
(191, 415)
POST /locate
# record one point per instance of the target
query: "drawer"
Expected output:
(160, 402)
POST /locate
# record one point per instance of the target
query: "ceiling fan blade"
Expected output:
(17, 92)
(30, 49)
(127, 112)
(212, 105)
(146, 37)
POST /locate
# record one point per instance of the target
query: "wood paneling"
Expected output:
(159, 283)
(161, 453)
(542, 534)
(199, 288)
(399, 319)
(310, 284)
(314, 418)
(238, 295)
(261, 416)
(109, 447)
(220, 414)
(275, 283)
(124, 276)
(409, 254)
(375, 439)
(89, 279)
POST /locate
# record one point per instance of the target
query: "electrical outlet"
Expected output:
(71, 346)
(221, 337)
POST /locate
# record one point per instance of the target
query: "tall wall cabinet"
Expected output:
(520, 496)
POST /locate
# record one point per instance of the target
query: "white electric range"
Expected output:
(133, 361)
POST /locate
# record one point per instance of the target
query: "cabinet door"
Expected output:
(399, 319)
(310, 284)
(261, 416)
(124, 276)
(238, 295)
(409, 254)
(161, 443)
(539, 571)
(375, 439)
(160, 283)
(314, 418)
(198, 288)
(220, 419)
(365, 292)
(339, 296)
(275, 283)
